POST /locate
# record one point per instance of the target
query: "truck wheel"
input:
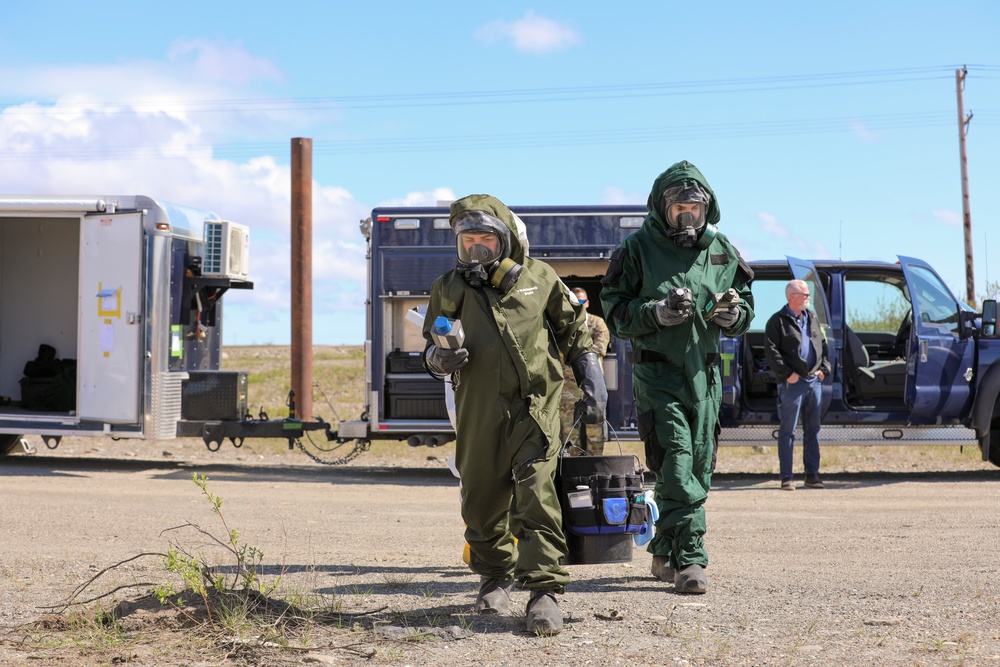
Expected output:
(10, 443)
(994, 454)
(995, 447)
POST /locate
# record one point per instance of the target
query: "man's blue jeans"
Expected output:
(802, 399)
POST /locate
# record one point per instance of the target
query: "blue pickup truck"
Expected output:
(912, 363)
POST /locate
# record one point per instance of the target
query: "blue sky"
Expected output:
(826, 130)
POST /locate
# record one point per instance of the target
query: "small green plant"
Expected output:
(934, 644)
(204, 581)
(99, 625)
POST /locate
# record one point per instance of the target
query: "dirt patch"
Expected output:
(368, 563)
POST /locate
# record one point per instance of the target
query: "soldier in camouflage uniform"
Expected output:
(593, 444)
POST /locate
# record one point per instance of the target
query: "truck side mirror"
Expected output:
(990, 317)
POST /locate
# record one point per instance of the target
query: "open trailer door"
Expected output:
(109, 359)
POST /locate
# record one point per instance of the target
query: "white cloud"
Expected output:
(427, 198)
(531, 34)
(217, 61)
(154, 143)
(769, 224)
(193, 69)
(948, 216)
(614, 195)
(779, 240)
(862, 131)
(78, 147)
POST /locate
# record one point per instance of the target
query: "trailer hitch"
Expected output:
(213, 433)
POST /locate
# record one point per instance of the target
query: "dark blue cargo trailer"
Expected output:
(409, 248)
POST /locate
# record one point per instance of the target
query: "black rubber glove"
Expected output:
(442, 361)
(725, 311)
(674, 309)
(590, 380)
(727, 318)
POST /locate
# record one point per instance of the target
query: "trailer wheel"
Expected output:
(9, 443)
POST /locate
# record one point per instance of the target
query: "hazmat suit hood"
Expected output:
(680, 174)
(496, 208)
(481, 267)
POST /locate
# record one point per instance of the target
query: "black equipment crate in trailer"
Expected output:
(414, 396)
(405, 362)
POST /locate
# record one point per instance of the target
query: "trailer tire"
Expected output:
(9, 443)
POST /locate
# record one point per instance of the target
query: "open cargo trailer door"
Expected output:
(109, 359)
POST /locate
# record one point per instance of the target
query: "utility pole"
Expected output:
(963, 130)
(301, 296)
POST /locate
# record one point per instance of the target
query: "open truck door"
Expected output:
(939, 360)
(109, 358)
(805, 271)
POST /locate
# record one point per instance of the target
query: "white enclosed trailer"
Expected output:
(125, 292)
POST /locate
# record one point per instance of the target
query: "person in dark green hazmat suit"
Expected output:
(517, 317)
(659, 292)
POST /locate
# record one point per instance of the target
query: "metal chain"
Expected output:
(359, 447)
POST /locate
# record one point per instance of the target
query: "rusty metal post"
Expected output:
(301, 287)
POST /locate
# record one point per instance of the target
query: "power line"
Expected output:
(523, 140)
(505, 96)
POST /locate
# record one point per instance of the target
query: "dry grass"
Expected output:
(338, 377)
(338, 394)
(338, 383)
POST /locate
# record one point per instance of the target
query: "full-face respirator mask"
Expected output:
(483, 245)
(686, 221)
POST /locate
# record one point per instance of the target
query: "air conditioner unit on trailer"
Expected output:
(227, 250)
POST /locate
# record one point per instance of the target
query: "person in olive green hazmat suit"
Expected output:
(517, 318)
(658, 293)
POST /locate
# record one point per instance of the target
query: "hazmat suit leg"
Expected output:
(681, 440)
(496, 508)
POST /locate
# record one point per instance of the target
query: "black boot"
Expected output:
(494, 595)
(691, 579)
(544, 617)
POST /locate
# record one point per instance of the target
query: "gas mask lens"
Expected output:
(685, 206)
(478, 247)
(685, 216)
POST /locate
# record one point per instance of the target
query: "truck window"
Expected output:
(874, 303)
(769, 298)
(935, 303)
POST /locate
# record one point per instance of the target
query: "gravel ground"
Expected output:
(894, 563)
